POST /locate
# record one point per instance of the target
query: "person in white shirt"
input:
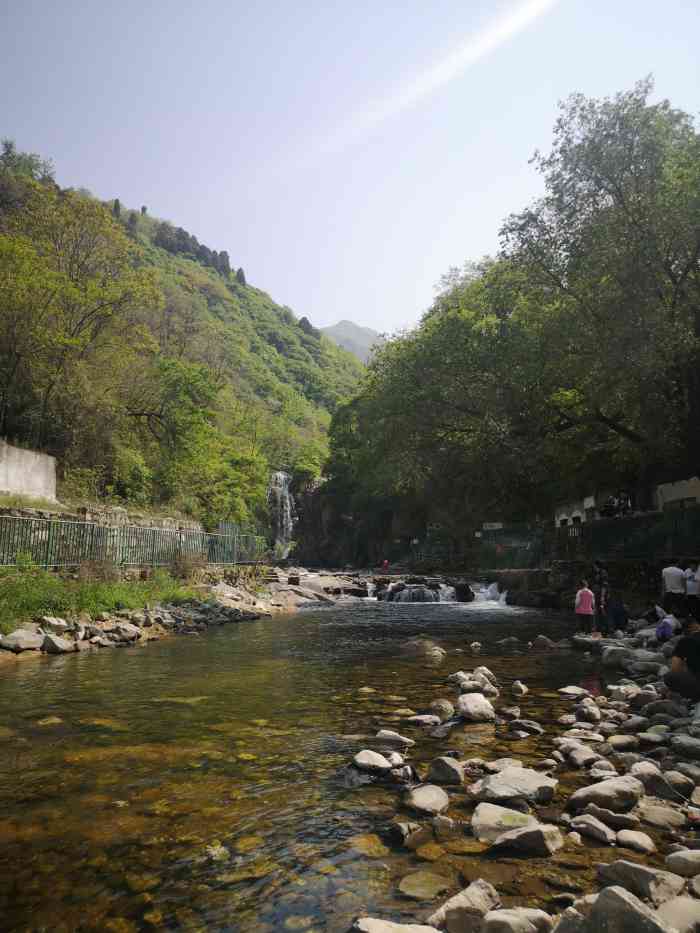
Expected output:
(673, 587)
(692, 589)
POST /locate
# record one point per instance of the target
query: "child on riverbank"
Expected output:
(584, 607)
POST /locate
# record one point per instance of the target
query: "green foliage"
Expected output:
(130, 351)
(570, 363)
(27, 592)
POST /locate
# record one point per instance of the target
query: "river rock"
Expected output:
(542, 643)
(424, 719)
(55, 625)
(623, 743)
(517, 920)
(619, 794)
(582, 756)
(393, 738)
(526, 725)
(489, 821)
(616, 910)
(127, 632)
(681, 913)
(427, 798)
(686, 862)
(539, 840)
(22, 639)
(518, 688)
(464, 912)
(423, 885)
(367, 760)
(573, 693)
(649, 884)
(594, 828)
(54, 644)
(637, 841)
(475, 647)
(658, 815)
(371, 925)
(500, 764)
(686, 746)
(614, 820)
(474, 707)
(513, 783)
(446, 770)
(443, 709)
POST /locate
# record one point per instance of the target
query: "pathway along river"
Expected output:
(116, 772)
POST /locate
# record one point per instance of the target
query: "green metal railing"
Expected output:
(54, 543)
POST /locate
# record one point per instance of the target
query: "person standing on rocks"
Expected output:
(584, 607)
(692, 589)
(673, 587)
(684, 676)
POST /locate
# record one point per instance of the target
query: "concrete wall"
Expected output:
(685, 489)
(27, 472)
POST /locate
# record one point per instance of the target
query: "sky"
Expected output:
(345, 155)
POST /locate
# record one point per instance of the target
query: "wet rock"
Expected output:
(616, 910)
(369, 844)
(443, 709)
(54, 644)
(445, 828)
(22, 640)
(573, 693)
(411, 835)
(423, 885)
(637, 841)
(474, 707)
(475, 647)
(681, 913)
(618, 794)
(658, 815)
(614, 820)
(464, 912)
(582, 756)
(489, 821)
(424, 720)
(370, 925)
(367, 760)
(393, 738)
(526, 725)
(539, 840)
(517, 920)
(446, 771)
(483, 671)
(649, 884)
(542, 643)
(623, 743)
(518, 688)
(634, 724)
(588, 711)
(594, 828)
(427, 798)
(509, 712)
(686, 746)
(686, 862)
(481, 685)
(513, 783)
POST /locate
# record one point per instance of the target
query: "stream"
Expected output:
(198, 784)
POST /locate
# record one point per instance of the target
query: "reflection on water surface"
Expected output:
(195, 784)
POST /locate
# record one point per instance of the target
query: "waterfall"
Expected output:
(282, 512)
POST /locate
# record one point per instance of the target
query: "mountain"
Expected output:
(355, 339)
(145, 362)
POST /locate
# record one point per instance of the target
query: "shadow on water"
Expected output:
(195, 784)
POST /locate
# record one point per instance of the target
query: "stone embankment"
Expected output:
(622, 775)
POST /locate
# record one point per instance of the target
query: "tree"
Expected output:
(24, 164)
(224, 263)
(144, 210)
(132, 224)
(240, 276)
(116, 209)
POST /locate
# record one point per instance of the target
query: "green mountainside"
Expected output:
(152, 370)
(356, 339)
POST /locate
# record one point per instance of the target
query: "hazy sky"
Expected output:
(346, 155)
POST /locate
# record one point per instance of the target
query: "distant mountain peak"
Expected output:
(354, 338)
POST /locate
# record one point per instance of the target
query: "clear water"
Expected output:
(119, 768)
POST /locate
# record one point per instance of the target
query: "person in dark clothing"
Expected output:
(617, 613)
(600, 590)
(684, 676)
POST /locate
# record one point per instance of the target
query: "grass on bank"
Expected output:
(27, 592)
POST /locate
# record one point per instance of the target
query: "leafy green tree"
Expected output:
(24, 164)
(240, 276)
(116, 209)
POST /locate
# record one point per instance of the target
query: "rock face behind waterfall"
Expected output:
(412, 593)
(282, 512)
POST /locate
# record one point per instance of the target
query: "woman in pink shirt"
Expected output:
(585, 607)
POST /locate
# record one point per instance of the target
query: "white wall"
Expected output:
(27, 472)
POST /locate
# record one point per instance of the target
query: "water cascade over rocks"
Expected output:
(282, 512)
